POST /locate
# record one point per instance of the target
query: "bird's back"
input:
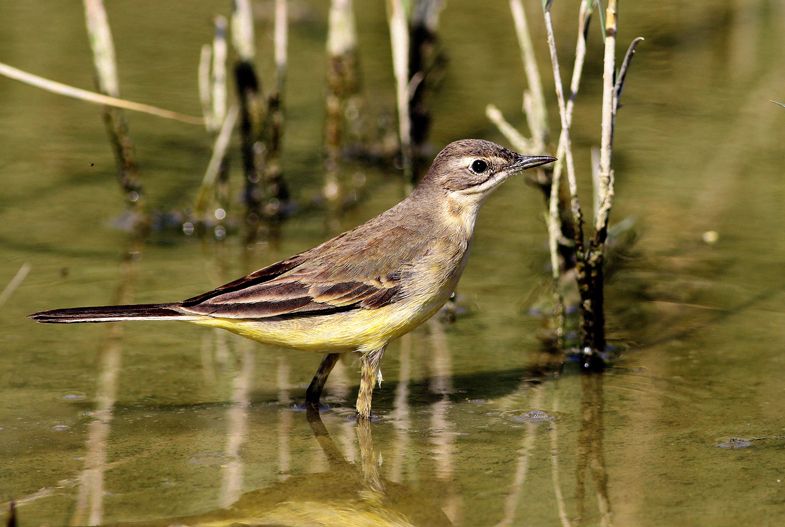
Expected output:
(359, 289)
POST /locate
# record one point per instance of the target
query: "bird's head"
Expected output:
(470, 169)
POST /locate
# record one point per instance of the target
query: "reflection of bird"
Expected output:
(347, 494)
(360, 289)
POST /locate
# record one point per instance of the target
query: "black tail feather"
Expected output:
(111, 314)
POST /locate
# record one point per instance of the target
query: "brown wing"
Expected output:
(352, 271)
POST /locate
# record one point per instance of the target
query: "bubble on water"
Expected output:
(61, 428)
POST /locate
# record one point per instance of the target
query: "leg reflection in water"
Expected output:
(345, 493)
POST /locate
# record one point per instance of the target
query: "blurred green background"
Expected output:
(147, 422)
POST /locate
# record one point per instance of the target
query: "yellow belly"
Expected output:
(362, 329)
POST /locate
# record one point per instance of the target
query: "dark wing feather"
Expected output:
(356, 270)
(257, 277)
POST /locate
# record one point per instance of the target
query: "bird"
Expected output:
(361, 289)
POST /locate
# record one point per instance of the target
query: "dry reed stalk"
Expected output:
(100, 37)
(15, 282)
(253, 112)
(608, 96)
(265, 191)
(565, 146)
(399, 41)
(533, 99)
(567, 244)
(427, 63)
(276, 192)
(213, 95)
(534, 107)
(342, 85)
(96, 98)
(592, 277)
(204, 81)
(516, 139)
(215, 167)
(555, 231)
(562, 229)
(218, 94)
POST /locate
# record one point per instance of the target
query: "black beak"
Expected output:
(524, 162)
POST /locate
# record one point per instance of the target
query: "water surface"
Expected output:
(477, 426)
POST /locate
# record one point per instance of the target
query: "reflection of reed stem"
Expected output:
(237, 429)
(400, 415)
(590, 454)
(284, 419)
(443, 433)
(512, 502)
(89, 509)
(554, 437)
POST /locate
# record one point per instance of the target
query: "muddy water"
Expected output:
(477, 426)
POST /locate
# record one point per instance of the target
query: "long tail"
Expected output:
(113, 314)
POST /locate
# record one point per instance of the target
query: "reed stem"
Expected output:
(104, 62)
(399, 40)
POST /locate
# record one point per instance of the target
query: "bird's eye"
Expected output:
(479, 166)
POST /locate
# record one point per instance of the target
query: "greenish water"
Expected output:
(165, 423)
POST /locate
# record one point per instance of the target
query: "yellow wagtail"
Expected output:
(361, 289)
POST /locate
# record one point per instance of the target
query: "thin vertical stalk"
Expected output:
(608, 101)
(399, 40)
(426, 64)
(555, 232)
(276, 192)
(252, 109)
(253, 112)
(592, 290)
(218, 73)
(203, 77)
(534, 101)
(104, 62)
(342, 84)
(219, 123)
(584, 18)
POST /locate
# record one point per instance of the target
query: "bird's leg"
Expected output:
(314, 391)
(370, 374)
